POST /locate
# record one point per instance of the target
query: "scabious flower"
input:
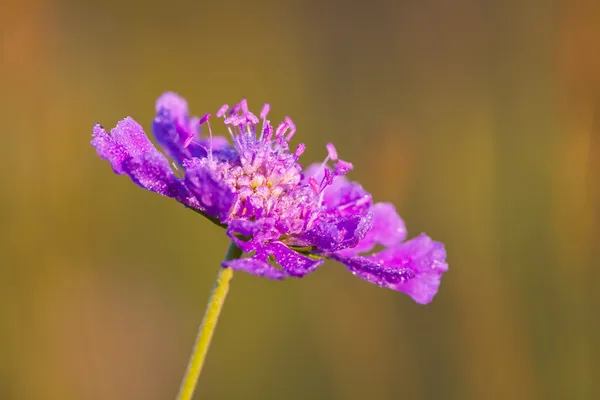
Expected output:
(287, 219)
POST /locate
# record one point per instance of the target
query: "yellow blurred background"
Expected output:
(480, 120)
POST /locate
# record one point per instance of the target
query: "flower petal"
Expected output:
(130, 152)
(125, 141)
(179, 134)
(414, 267)
(175, 104)
(152, 172)
(108, 149)
(256, 267)
(166, 134)
(347, 198)
(333, 233)
(293, 263)
(344, 218)
(342, 196)
(388, 230)
(258, 232)
(214, 196)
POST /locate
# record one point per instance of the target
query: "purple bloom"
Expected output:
(288, 220)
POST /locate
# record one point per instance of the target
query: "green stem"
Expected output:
(209, 322)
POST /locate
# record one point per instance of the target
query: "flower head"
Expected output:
(286, 218)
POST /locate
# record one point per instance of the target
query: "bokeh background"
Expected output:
(480, 120)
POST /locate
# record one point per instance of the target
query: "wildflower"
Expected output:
(288, 220)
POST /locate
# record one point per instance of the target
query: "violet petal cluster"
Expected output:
(287, 219)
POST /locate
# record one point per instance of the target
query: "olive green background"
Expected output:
(480, 120)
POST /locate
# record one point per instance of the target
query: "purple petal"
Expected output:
(108, 149)
(214, 196)
(347, 198)
(388, 230)
(175, 104)
(130, 152)
(292, 262)
(414, 267)
(259, 232)
(129, 134)
(152, 172)
(245, 227)
(125, 141)
(333, 233)
(342, 196)
(345, 217)
(256, 267)
(165, 132)
(179, 134)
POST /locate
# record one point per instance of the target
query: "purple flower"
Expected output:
(286, 219)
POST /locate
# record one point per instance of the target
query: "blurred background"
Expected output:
(480, 120)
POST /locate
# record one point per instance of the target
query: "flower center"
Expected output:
(264, 175)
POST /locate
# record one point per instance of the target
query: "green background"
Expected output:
(480, 120)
